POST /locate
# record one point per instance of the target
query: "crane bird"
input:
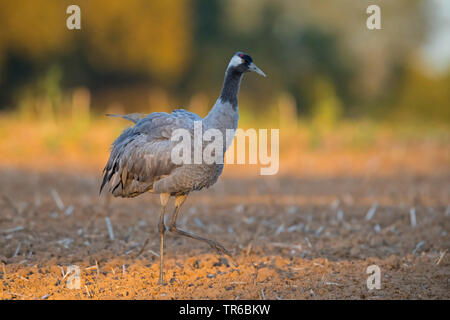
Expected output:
(140, 159)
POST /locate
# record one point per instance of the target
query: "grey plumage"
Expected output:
(140, 159)
(140, 156)
(133, 117)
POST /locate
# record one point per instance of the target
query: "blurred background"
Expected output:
(364, 126)
(333, 86)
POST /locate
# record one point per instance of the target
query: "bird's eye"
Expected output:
(241, 55)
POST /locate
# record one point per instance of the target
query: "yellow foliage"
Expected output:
(423, 97)
(33, 28)
(147, 36)
(141, 35)
(327, 109)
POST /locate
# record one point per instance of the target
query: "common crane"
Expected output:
(140, 159)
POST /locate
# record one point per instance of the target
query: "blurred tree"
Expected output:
(182, 47)
(423, 97)
(118, 41)
(327, 110)
(138, 35)
(306, 38)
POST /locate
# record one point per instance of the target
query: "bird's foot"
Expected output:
(221, 249)
(161, 282)
(143, 247)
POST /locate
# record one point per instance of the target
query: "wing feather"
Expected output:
(140, 156)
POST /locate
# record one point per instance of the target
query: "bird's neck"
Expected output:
(230, 89)
(225, 112)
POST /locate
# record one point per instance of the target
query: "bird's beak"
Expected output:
(254, 68)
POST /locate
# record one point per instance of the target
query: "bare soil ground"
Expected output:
(293, 238)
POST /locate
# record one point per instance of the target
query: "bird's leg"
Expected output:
(143, 247)
(173, 228)
(164, 197)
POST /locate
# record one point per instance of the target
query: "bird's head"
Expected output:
(242, 62)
